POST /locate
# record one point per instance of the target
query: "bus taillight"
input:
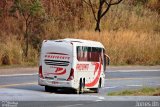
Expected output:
(40, 72)
(71, 76)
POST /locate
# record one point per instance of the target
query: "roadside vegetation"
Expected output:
(139, 92)
(130, 31)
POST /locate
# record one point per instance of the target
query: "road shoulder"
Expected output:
(18, 70)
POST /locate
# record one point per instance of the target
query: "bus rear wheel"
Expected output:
(96, 90)
(50, 89)
(80, 90)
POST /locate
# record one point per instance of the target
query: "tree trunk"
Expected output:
(101, 2)
(98, 26)
(26, 39)
(27, 42)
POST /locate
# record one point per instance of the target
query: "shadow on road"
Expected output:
(38, 88)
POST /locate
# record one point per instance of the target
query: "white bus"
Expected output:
(72, 63)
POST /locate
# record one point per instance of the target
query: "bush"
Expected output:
(11, 52)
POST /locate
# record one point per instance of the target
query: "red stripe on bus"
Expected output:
(94, 82)
(59, 71)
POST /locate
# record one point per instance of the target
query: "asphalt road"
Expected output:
(24, 88)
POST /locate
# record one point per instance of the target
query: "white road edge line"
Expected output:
(10, 85)
(71, 105)
(136, 70)
(110, 87)
(135, 85)
(14, 75)
(132, 78)
(100, 98)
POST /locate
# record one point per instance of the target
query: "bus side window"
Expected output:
(78, 52)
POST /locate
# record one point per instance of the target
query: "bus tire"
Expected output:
(80, 90)
(99, 86)
(48, 89)
(96, 90)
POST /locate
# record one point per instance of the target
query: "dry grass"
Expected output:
(11, 52)
(126, 47)
(140, 92)
(135, 18)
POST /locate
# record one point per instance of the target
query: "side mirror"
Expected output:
(107, 59)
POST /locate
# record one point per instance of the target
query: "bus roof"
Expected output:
(79, 41)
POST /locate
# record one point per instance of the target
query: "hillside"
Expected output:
(130, 31)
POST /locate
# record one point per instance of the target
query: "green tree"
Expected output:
(29, 10)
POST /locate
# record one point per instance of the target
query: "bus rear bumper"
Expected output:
(54, 83)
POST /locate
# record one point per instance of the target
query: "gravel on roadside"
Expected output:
(18, 70)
